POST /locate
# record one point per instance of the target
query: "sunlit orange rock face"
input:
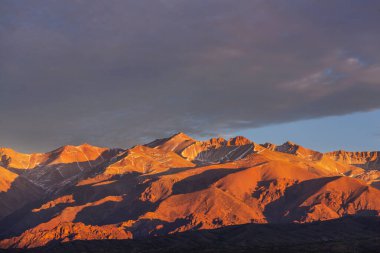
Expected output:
(365, 160)
(176, 184)
(368, 161)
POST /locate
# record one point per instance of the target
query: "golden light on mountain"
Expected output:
(177, 184)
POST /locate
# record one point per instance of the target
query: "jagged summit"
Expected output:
(238, 141)
(269, 146)
(290, 143)
(218, 141)
(213, 150)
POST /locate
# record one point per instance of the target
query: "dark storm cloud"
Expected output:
(120, 72)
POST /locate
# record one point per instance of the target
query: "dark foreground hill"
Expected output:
(349, 234)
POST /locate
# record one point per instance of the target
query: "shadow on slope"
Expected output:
(128, 186)
(293, 197)
(131, 187)
(202, 181)
(20, 193)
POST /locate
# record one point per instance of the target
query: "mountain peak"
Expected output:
(239, 141)
(269, 146)
(290, 143)
(176, 142)
(180, 135)
(86, 145)
(217, 141)
(77, 148)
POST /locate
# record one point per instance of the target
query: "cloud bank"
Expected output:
(121, 72)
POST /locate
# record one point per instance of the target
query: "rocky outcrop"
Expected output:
(365, 160)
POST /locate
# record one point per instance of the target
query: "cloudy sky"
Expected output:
(121, 72)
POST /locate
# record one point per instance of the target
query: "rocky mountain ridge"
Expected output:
(173, 185)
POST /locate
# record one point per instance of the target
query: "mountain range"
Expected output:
(179, 185)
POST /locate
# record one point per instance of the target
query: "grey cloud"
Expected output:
(118, 72)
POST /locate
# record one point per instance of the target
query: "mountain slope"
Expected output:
(52, 170)
(15, 192)
(25, 178)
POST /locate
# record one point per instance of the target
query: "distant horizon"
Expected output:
(264, 136)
